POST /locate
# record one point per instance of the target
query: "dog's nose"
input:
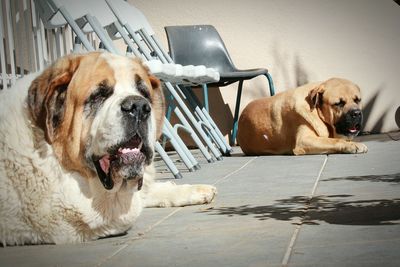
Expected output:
(354, 113)
(136, 106)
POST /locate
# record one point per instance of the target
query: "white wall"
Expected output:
(299, 42)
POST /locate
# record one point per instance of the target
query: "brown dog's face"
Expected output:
(338, 102)
(101, 113)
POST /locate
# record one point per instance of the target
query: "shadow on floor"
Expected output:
(386, 178)
(321, 209)
(332, 209)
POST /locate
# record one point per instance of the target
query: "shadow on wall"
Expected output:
(290, 76)
(301, 75)
(333, 209)
(397, 117)
(370, 107)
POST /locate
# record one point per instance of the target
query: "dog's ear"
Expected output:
(158, 103)
(47, 95)
(314, 97)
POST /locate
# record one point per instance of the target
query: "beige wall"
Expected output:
(300, 41)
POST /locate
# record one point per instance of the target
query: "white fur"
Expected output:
(41, 202)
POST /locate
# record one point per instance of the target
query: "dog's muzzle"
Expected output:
(127, 159)
(350, 123)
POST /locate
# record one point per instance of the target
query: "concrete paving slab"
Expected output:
(262, 216)
(88, 254)
(354, 216)
(247, 225)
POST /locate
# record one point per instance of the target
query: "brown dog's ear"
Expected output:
(155, 82)
(158, 103)
(47, 94)
(314, 97)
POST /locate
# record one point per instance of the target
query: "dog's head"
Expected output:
(102, 114)
(338, 102)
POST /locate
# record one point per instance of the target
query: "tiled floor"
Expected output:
(336, 210)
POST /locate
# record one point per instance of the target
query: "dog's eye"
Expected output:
(142, 88)
(357, 100)
(340, 104)
(97, 97)
(101, 93)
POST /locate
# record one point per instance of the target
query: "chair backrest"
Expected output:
(198, 45)
(128, 14)
(48, 14)
(23, 47)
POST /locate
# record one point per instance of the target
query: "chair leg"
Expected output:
(236, 116)
(170, 164)
(204, 116)
(205, 97)
(271, 84)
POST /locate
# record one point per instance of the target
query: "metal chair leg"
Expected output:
(206, 119)
(178, 148)
(181, 144)
(205, 97)
(171, 166)
(236, 115)
(271, 84)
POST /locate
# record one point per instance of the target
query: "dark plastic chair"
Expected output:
(202, 45)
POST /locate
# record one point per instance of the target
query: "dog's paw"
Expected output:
(357, 148)
(202, 194)
(361, 148)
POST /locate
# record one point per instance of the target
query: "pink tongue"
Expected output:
(127, 154)
(353, 130)
(105, 163)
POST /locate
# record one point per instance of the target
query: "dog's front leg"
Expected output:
(307, 142)
(169, 194)
(325, 145)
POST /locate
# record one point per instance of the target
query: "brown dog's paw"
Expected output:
(357, 148)
(361, 148)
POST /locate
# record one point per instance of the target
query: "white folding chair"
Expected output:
(57, 14)
(139, 29)
(87, 22)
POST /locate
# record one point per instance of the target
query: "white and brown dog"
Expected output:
(76, 151)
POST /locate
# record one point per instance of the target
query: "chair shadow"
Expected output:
(322, 209)
(331, 209)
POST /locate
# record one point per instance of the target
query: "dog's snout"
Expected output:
(136, 106)
(355, 113)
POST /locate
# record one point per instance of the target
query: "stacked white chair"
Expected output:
(74, 13)
(139, 29)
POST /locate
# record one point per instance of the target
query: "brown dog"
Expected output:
(318, 118)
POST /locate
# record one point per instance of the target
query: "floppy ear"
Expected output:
(158, 103)
(47, 94)
(314, 97)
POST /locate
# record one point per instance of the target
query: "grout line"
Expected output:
(129, 241)
(292, 242)
(293, 239)
(232, 173)
(151, 227)
(318, 177)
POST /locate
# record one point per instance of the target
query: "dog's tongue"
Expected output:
(105, 163)
(128, 155)
(353, 130)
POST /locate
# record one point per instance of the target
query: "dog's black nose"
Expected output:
(136, 106)
(354, 113)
